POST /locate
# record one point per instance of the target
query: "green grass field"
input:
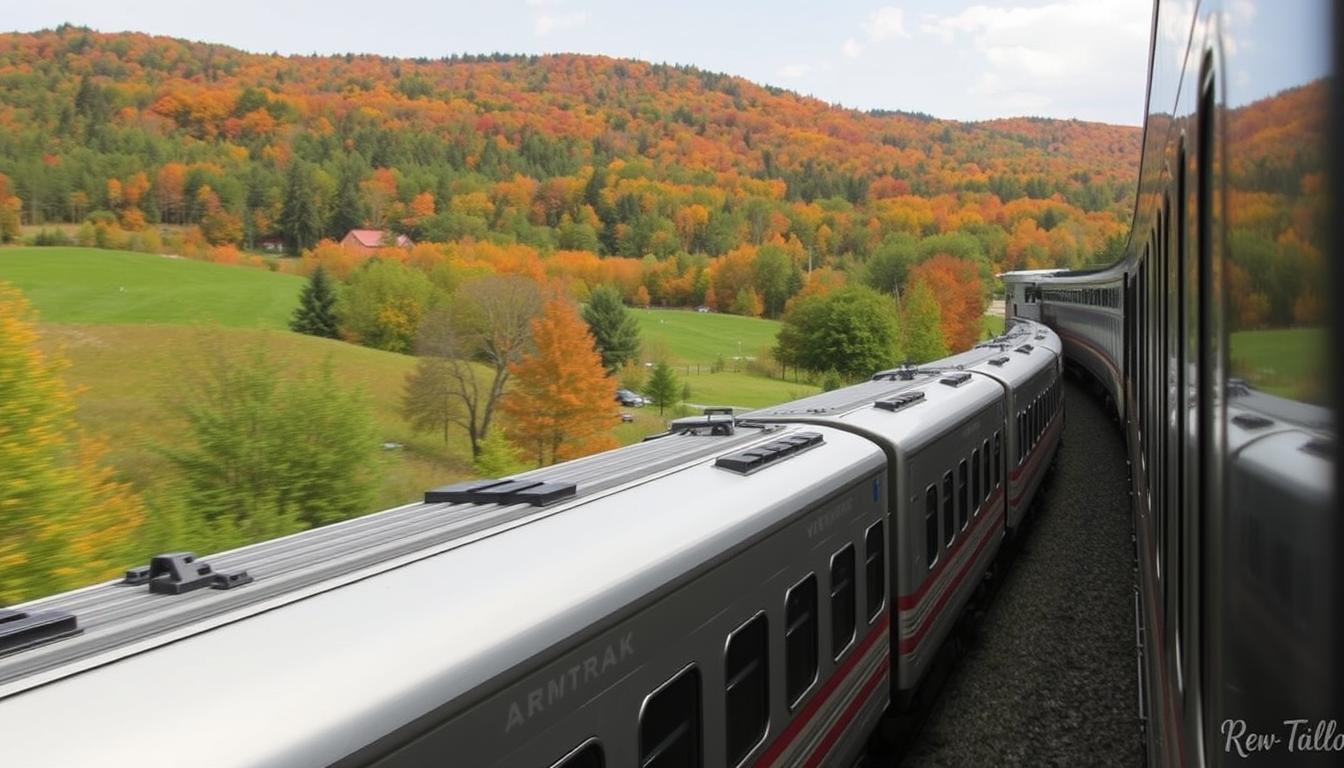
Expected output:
(87, 285)
(686, 336)
(129, 375)
(1282, 361)
(993, 325)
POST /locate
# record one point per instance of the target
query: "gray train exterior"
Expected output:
(968, 441)
(1233, 453)
(740, 591)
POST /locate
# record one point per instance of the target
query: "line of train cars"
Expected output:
(749, 590)
(1210, 339)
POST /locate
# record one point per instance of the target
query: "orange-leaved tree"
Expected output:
(961, 297)
(64, 520)
(561, 403)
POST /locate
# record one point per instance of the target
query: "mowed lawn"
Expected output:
(686, 336)
(87, 285)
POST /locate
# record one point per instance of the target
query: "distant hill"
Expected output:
(618, 157)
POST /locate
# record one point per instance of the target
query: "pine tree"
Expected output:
(316, 313)
(347, 210)
(663, 386)
(921, 322)
(498, 457)
(614, 329)
(560, 406)
(300, 219)
(266, 454)
(64, 520)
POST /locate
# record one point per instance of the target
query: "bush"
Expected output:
(48, 237)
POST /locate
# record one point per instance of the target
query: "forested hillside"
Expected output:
(566, 152)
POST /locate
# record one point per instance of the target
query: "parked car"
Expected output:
(629, 398)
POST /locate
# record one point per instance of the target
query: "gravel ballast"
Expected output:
(1048, 677)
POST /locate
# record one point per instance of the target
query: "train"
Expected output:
(1211, 342)
(755, 589)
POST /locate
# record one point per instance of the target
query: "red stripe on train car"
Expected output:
(906, 602)
(855, 704)
(810, 709)
(909, 642)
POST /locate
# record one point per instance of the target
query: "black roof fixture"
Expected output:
(999, 360)
(1251, 421)
(752, 459)
(900, 401)
(1024, 349)
(955, 379)
(20, 630)
(503, 491)
(717, 421)
(174, 573)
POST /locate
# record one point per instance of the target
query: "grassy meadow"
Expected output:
(87, 285)
(1281, 361)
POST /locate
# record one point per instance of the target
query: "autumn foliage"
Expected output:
(64, 519)
(960, 296)
(560, 405)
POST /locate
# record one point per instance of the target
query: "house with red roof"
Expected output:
(366, 241)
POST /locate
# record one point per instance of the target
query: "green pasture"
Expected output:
(1289, 362)
(88, 285)
(129, 376)
(686, 336)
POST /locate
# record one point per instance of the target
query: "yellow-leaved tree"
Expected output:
(65, 521)
(562, 402)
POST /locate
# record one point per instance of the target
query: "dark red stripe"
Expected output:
(801, 719)
(1098, 351)
(906, 602)
(910, 642)
(855, 704)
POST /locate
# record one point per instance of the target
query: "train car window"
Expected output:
(1021, 438)
(931, 525)
(746, 670)
(949, 524)
(976, 497)
(842, 601)
(962, 490)
(669, 724)
(984, 454)
(586, 756)
(998, 464)
(875, 569)
(800, 639)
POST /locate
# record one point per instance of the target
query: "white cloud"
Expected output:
(547, 17)
(851, 48)
(886, 23)
(1035, 56)
(795, 71)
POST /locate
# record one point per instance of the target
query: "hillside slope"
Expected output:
(564, 151)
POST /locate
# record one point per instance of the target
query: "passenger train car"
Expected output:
(1211, 340)
(754, 590)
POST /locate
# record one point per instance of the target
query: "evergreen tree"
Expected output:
(347, 210)
(921, 329)
(300, 218)
(663, 386)
(316, 313)
(614, 330)
(268, 455)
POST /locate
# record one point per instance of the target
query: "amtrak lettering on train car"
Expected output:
(569, 681)
(828, 518)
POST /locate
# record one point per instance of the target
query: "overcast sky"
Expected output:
(1083, 59)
